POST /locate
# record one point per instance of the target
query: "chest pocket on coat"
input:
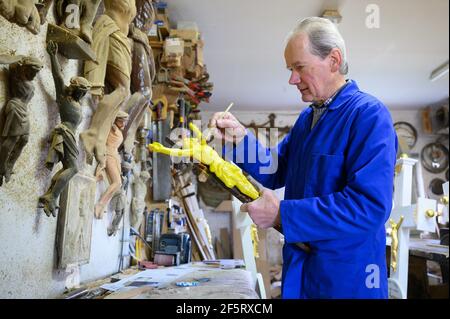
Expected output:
(325, 175)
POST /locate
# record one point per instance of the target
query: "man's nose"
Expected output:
(295, 78)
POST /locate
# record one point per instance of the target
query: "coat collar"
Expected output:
(347, 92)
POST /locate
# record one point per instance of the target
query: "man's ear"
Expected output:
(335, 59)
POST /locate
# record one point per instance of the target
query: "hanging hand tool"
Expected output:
(162, 186)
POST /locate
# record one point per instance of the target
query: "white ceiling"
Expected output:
(244, 45)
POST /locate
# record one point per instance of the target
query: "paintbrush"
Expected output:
(209, 136)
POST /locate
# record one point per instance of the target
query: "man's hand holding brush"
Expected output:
(224, 126)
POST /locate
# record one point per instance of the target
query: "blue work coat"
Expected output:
(338, 196)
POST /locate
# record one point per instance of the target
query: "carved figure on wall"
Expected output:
(145, 17)
(74, 231)
(74, 32)
(139, 187)
(43, 6)
(78, 238)
(143, 67)
(119, 200)
(112, 164)
(111, 74)
(142, 71)
(15, 129)
(118, 203)
(22, 12)
(63, 147)
(87, 11)
(142, 76)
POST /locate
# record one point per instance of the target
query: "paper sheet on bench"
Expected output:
(157, 278)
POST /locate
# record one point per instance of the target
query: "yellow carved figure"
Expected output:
(394, 246)
(228, 173)
(255, 240)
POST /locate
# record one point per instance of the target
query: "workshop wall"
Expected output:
(27, 236)
(414, 117)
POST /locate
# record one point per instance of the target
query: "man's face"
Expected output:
(309, 73)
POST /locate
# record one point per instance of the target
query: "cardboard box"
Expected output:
(173, 46)
(187, 35)
(187, 25)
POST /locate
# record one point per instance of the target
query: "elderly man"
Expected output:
(337, 164)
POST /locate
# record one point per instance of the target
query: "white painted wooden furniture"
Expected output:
(420, 215)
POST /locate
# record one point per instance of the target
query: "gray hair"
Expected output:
(323, 36)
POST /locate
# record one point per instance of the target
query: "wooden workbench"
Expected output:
(421, 252)
(212, 283)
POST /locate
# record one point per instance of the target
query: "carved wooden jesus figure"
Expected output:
(111, 74)
(113, 163)
(64, 145)
(15, 130)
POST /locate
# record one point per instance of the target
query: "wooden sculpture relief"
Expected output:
(111, 73)
(43, 6)
(145, 16)
(143, 67)
(87, 11)
(74, 231)
(74, 32)
(112, 164)
(22, 12)
(139, 187)
(142, 75)
(119, 200)
(63, 147)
